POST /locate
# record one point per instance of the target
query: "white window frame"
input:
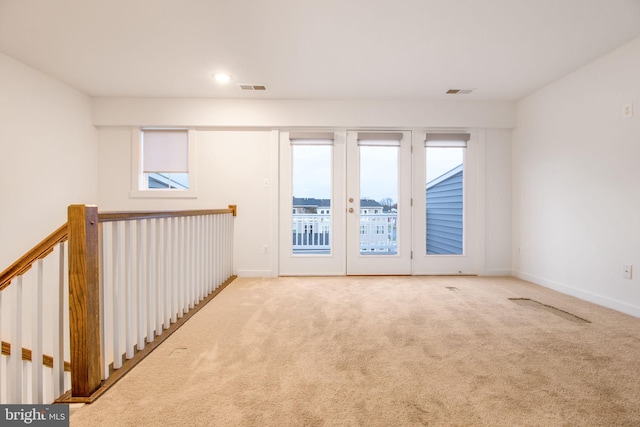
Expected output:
(139, 187)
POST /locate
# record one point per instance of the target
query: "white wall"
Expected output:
(576, 182)
(497, 217)
(234, 163)
(48, 147)
(299, 113)
(232, 167)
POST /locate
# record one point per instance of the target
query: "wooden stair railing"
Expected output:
(41, 250)
(16, 271)
(82, 234)
(84, 297)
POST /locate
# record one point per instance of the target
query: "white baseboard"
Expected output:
(583, 295)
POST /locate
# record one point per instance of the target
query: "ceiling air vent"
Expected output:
(459, 91)
(252, 87)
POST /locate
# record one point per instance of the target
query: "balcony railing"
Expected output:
(311, 234)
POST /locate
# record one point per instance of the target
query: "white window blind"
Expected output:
(446, 139)
(311, 138)
(165, 150)
(379, 139)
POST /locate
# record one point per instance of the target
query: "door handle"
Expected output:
(350, 210)
(350, 199)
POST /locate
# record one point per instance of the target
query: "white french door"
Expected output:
(362, 202)
(312, 204)
(378, 202)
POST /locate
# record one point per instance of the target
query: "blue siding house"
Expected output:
(444, 213)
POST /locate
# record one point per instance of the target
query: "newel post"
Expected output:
(84, 299)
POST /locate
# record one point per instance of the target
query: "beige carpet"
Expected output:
(385, 351)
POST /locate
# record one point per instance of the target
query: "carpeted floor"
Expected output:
(385, 351)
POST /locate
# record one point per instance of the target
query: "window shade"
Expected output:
(311, 138)
(385, 139)
(165, 151)
(446, 139)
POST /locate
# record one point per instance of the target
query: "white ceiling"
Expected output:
(313, 49)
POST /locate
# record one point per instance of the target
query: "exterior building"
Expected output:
(445, 213)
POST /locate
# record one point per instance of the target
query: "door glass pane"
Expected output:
(311, 225)
(444, 167)
(378, 200)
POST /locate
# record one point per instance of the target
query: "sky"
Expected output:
(378, 166)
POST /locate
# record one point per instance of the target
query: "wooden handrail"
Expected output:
(127, 216)
(41, 250)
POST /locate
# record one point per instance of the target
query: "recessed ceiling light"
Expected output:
(222, 78)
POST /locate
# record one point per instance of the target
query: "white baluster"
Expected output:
(209, 254)
(167, 273)
(117, 295)
(187, 264)
(58, 328)
(37, 385)
(191, 263)
(183, 265)
(175, 262)
(230, 222)
(219, 253)
(128, 288)
(150, 279)
(14, 390)
(201, 283)
(159, 276)
(104, 275)
(196, 260)
(140, 261)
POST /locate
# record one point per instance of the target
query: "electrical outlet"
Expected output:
(627, 271)
(627, 110)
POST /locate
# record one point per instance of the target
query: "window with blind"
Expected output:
(445, 193)
(312, 189)
(163, 163)
(165, 159)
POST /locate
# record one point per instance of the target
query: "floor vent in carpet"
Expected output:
(535, 304)
(452, 288)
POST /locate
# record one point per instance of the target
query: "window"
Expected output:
(164, 163)
(312, 186)
(445, 193)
